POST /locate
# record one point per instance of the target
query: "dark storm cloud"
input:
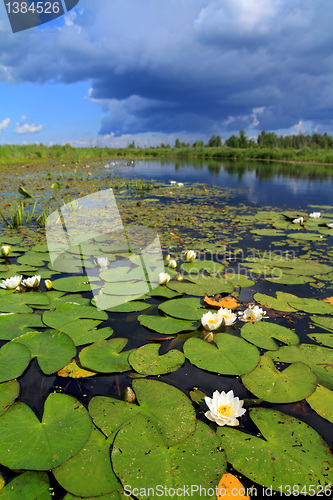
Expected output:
(198, 66)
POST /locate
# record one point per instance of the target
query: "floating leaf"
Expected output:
(27, 443)
(146, 360)
(68, 312)
(18, 302)
(281, 303)
(202, 288)
(322, 338)
(239, 280)
(33, 259)
(230, 356)
(187, 308)
(14, 325)
(24, 192)
(53, 349)
(231, 487)
(9, 391)
(73, 370)
(75, 284)
(132, 306)
(89, 473)
(196, 266)
(228, 302)
(164, 293)
(84, 331)
(292, 384)
(34, 484)
(170, 410)
(319, 359)
(14, 359)
(311, 306)
(329, 300)
(56, 298)
(293, 452)
(261, 334)
(321, 401)
(195, 461)
(166, 325)
(104, 356)
(326, 323)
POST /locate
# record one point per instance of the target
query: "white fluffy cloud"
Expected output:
(4, 123)
(27, 128)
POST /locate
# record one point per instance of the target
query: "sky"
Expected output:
(111, 72)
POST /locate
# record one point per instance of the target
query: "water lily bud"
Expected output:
(128, 395)
(32, 282)
(167, 258)
(5, 249)
(163, 278)
(180, 277)
(190, 255)
(48, 284)
(173, 264)
(209, 337)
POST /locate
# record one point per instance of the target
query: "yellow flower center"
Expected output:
(213, 321)
(224, 410)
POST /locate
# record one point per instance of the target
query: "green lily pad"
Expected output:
(325, 323)
(32, 484)
(75, 284)
(167, 407)
(68, 312)
(104, 356)
(164, 293)
(196, 266)
(14, 325)
(56, 298)
(53, 349)
(292, 384)
(197, 460)
(261, 334)
(321, 401)
(230, 356)
(84, 331)
(281, 303)
(322, 338)
(89, 473)
(14, 359)
(290, 279)
(292, 452)
(17, 270)
(34, 259)
(9, 391)
(239, 280)
(319, 359)
(166, 324)
(132, 306)
(311, 306)
(27, 443)
(210, 286)
(9, 240)
(186, 308)
(18, 302)
(146, 360)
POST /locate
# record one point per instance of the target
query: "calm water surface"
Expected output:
(264, 183)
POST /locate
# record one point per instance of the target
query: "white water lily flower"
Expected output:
(163, 278)
(315, 215)
(173, 264)
(253, 313)
(173, 182)
(11, 283)
(227, 316)
(300, 220)
(190, 255)
(103, 262)
(224, 409)
(5, 249)
(330, 224)
(32, 282)
(180, 184)
(211, 321)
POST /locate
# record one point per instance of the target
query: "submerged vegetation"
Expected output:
(223, 367)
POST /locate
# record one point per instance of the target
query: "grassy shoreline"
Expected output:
(18, 155)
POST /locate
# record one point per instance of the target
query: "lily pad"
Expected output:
(262, 333)
(73, 370)
(293, 452)
(9, 391)
(195, 461)
(209, 265)
(167, 407)
(311, 306)
(75, 284)
(34, 259)
(14, 325)
(319, 359)
(132, 306)
(89, 473)
(230, 356)
(325, 323)
(281, 303)
(146, 360)
(27, 443)
(53, 349)
(68, 312)
(84, 331)
(14, 359)
(210, 286)
(18, 302)
(34, 484)
(322, 338)
(164, 293)
(104, 356)
(321, 401)
(292, 384)
(166, 324)
(239, 280)
(186, 308)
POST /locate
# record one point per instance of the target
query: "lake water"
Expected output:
(264, 183)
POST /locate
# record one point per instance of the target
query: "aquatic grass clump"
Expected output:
(18, 213)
